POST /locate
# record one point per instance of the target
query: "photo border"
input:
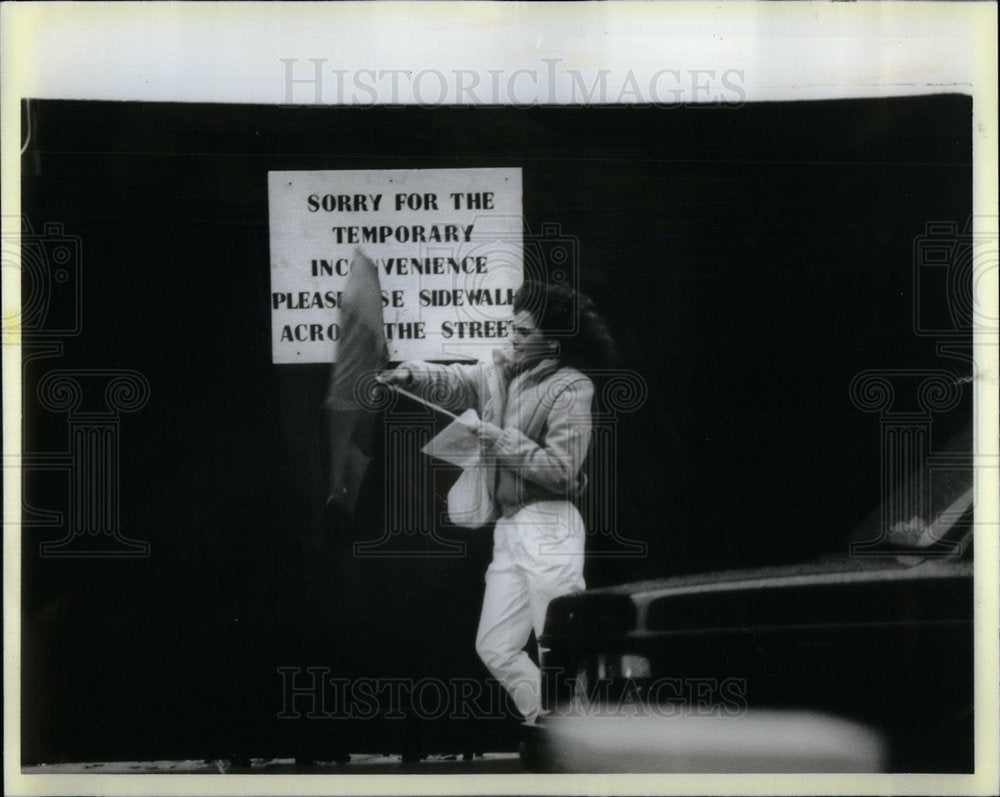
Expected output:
(130, 51)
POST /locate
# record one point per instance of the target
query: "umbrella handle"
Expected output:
(423, 401)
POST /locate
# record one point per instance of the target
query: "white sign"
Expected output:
(447, 244)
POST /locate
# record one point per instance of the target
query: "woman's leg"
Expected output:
(504, 628)
(539, 556)
(553, 537)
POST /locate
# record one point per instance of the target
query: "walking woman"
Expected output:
(534, 403)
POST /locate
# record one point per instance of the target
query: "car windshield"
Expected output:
(930, 511)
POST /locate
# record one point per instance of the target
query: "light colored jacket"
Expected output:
(543, 410)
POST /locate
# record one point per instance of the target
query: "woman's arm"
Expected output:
(456, 387)
(556, 463)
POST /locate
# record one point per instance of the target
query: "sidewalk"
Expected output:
(491, 763)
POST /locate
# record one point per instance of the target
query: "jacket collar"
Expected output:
(531, 373)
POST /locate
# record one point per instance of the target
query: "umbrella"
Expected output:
(360, 354)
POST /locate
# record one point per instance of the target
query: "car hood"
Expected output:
(832, 569)
(836, 591)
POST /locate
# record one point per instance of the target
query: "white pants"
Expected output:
(537, 556)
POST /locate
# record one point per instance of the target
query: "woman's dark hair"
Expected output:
(570, 318)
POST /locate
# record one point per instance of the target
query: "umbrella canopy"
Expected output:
(360, 354)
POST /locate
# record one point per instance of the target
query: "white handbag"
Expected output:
(470, 499)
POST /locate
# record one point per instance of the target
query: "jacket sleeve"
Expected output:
(555, 463)
(456, 387)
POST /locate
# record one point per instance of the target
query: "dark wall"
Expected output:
(750, 260)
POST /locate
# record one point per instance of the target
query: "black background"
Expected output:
(750, 261)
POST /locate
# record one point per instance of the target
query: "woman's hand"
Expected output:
(400, 377)
(489, 432)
